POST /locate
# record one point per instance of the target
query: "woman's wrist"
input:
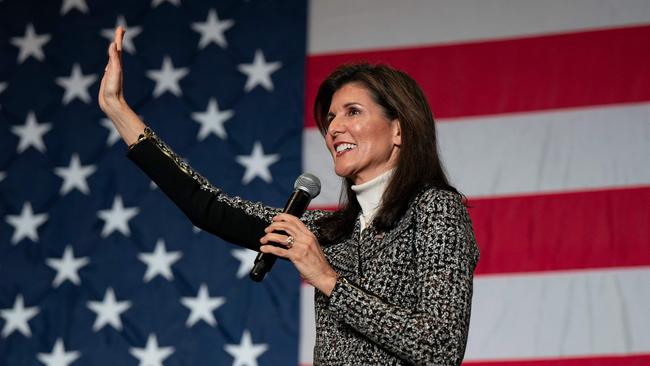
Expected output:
(126, 121)
(327, 284)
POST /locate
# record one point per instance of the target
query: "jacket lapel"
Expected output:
(343, 256)
(380, 240)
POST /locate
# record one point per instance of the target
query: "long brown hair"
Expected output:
(418, 165)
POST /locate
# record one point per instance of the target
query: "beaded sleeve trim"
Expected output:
(255, 209)
(182, 164)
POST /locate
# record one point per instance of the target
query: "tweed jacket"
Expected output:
(403, 296)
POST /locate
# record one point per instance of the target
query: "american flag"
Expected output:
(97, 267)
(543, 111)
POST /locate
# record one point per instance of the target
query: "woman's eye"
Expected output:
(353, 112)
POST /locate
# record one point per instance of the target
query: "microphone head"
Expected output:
(308, 183)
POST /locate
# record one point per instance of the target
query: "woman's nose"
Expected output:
(335, 128)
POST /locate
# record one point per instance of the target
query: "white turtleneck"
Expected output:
(369, 196)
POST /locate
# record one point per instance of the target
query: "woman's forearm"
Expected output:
(127, 123)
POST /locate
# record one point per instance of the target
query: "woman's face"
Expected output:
(363, 142)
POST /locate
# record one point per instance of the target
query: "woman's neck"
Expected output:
(369, 196)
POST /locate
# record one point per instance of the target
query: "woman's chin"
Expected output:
(344, 173)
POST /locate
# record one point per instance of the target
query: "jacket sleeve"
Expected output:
(435, 331)
(233, 219)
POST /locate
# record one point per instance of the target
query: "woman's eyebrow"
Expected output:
(346, 105)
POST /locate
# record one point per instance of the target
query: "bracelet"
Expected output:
(147, 133)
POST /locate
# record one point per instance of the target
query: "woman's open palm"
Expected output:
(110, 91)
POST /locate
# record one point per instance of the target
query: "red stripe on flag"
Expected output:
(636, 360)
(564, 231)
(537, 73)
(580, 230)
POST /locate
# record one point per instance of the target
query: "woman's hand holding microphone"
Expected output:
(302, 248)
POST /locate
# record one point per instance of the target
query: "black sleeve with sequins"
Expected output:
(435, 331)
(231, 218)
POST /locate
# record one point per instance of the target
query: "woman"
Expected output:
(394, 266)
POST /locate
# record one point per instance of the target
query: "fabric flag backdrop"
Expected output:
(543, 121)
(97, 267)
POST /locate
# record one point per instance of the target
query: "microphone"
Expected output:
(306, 188)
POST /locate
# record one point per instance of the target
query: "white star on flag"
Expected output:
(155, 3)
(202, 306)
(76, 85)
(212, 30)
(117, 218)
(31, 134)
(212, 120)
(18, 317)
(58, 356)
(31, 44)
(75, 176)
(246, 353)
(259, 72)
(26, 224)
(152, 354)
(246, 258)
(113, 135)
(68, 5)
(108, 311)
(167, 78)
(159, 262)
(257, 164)
(130, 33)
(67, 267)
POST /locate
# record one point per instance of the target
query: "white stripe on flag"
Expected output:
(559, 314)
(307, 325)
(353, 25)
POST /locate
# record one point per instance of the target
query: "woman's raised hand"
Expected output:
(111, 96)
(110, 91)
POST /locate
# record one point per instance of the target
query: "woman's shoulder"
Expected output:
(438, 199)
(444, 211)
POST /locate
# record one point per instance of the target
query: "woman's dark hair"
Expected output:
(418, 165)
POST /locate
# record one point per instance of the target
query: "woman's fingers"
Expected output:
(119, 36)
(283, 226)
(288, 222)
(280, 252)
(113, 71)
(275, 238)
(286, 217)
(112, 54)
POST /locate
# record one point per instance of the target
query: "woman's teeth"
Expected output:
(344, 147)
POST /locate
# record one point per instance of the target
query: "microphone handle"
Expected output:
(296, 206)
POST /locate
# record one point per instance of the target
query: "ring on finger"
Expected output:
(290, 241)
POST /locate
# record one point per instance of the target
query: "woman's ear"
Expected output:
(397, 132)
